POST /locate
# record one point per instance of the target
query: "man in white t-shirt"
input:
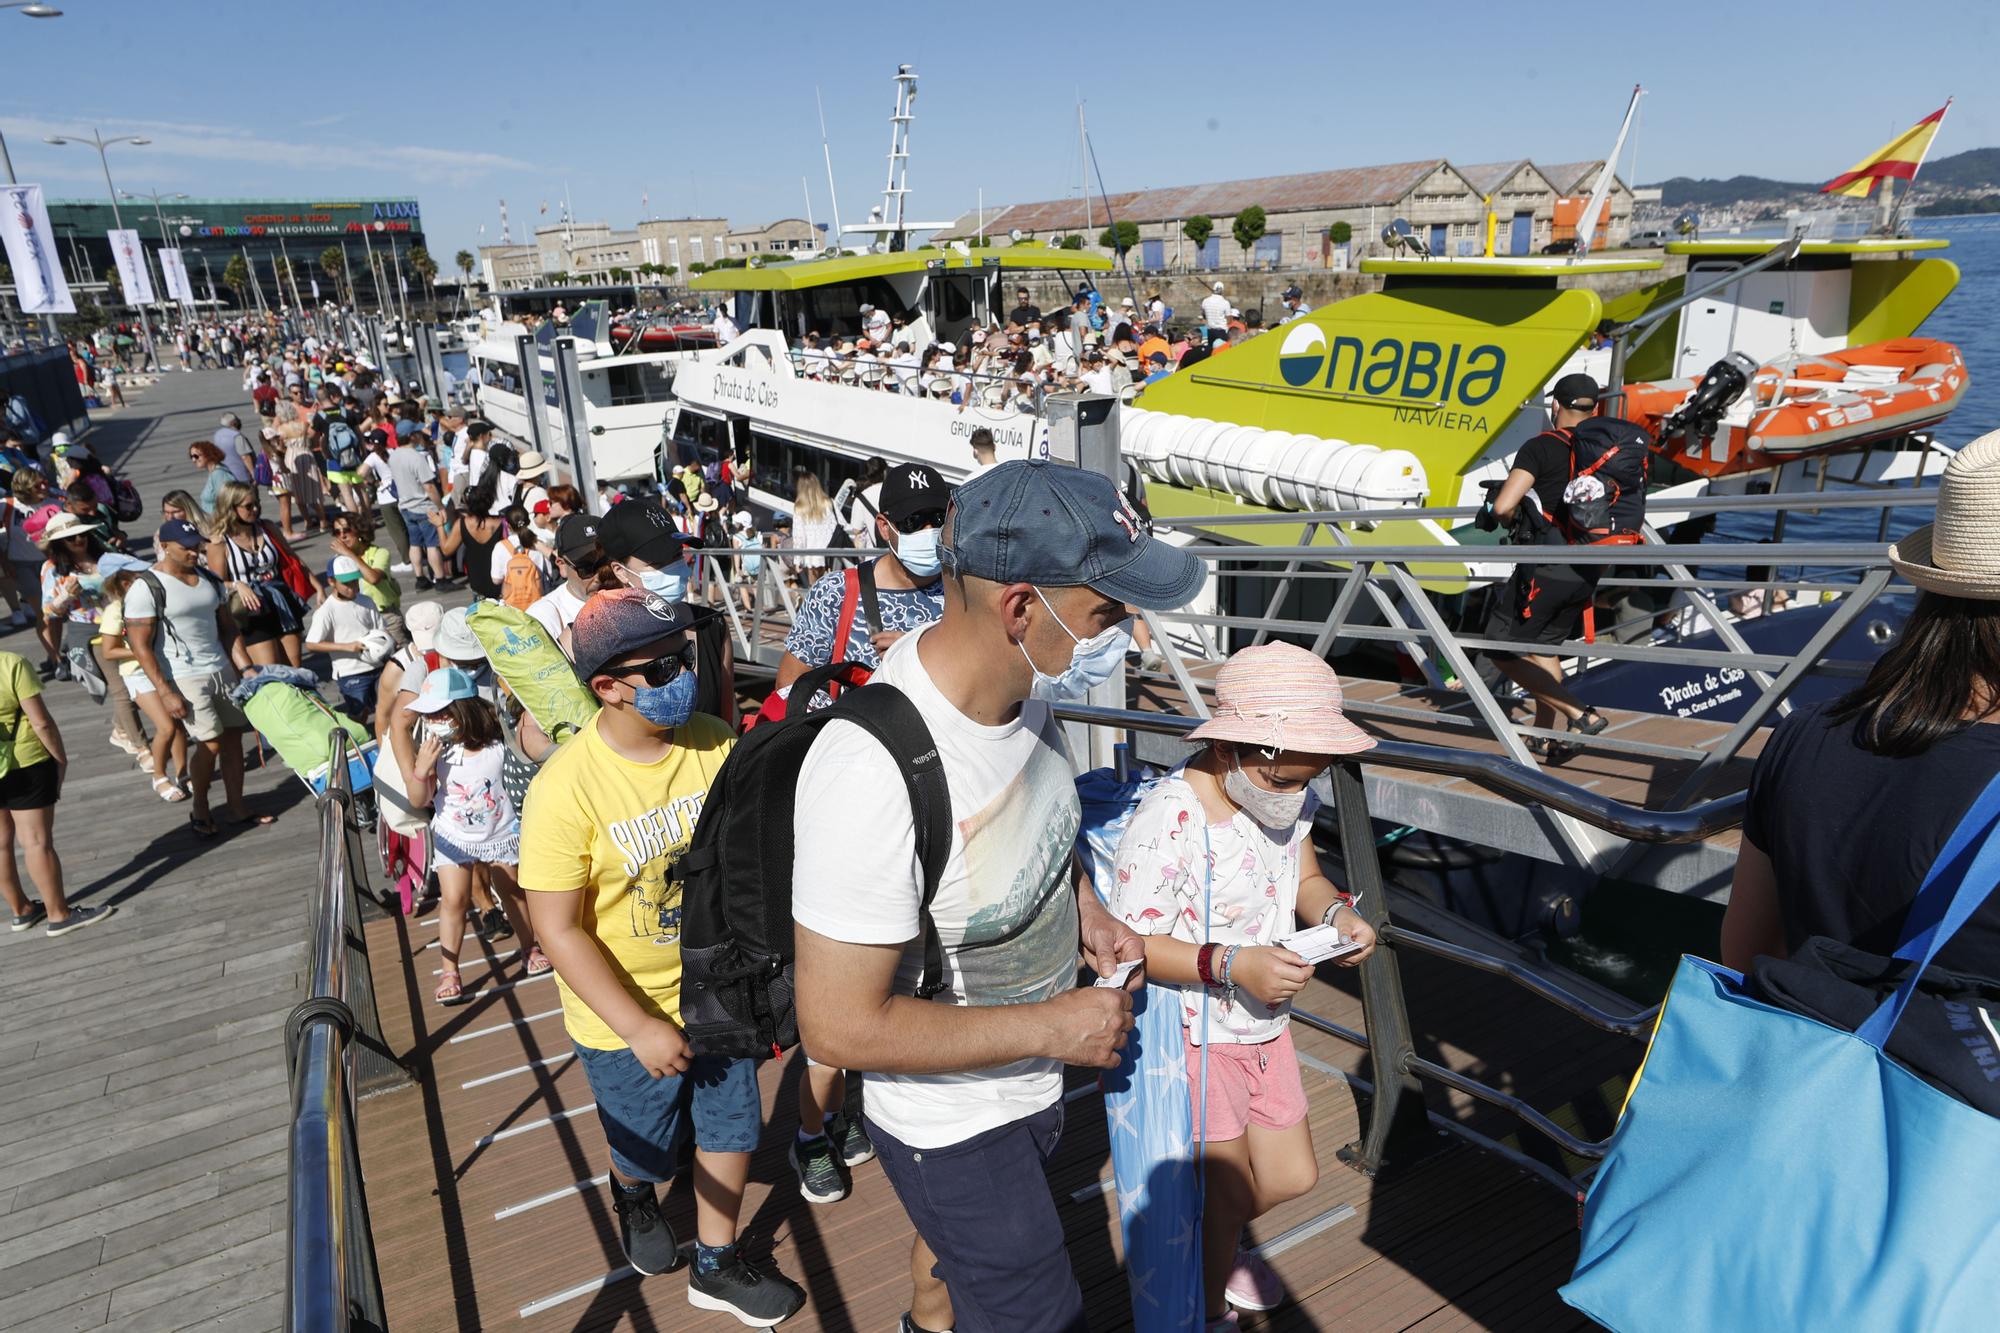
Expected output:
(1042, 562)
(1215, 311)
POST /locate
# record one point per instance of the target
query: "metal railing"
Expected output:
(1398, 1123)
(331, 1281)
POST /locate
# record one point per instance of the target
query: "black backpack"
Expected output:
(737, 993)
(1614, 454)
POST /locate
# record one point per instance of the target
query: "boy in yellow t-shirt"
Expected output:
(606, 822)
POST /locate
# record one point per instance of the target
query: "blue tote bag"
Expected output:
(1146, 1107)
(1771, 1172)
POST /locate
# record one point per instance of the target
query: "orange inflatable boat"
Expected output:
(1803, 405)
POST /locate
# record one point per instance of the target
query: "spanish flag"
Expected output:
(1898, 159)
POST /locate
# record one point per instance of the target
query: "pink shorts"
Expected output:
(1247, 1085)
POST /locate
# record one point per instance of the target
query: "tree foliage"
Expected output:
(1340, 233)
(236, 277)
(1070, 242)
(1248, 228)
(1198, 228)
(1120, 236)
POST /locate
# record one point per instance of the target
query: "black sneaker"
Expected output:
(757, 1298)
(31, 918)
(852, 1140)
(78, 918)
(497, 926)
(820, 1177)
(643, 1233)
(423, 584)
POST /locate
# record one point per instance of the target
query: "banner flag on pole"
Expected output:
(132, 275)
(1896, 160)
(39, 286)
(315, 287)
(173, 272)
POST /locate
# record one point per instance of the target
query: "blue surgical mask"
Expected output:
(670, 583)
(667, 705)
(1092, 662)
(918, 553)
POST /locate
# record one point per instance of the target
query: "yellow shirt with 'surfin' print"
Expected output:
(615, 829)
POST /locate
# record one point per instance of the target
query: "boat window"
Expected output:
(645, 382)
(837, 309)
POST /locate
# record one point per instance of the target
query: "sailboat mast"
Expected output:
(832, 191)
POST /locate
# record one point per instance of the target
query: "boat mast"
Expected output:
(832, 191)
(1083, 166)
(1586, 226)
(897, 187)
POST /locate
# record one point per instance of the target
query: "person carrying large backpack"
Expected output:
(965, 1028)
(1581, 482)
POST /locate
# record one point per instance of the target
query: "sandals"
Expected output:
(250, 821)
(1589, 723)
(451, 989)
(165, 789)
(538, 962)
(204, 827)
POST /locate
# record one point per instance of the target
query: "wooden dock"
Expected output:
(143, 1097)
(485, 1180)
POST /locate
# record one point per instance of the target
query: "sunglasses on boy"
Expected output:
(660, 670)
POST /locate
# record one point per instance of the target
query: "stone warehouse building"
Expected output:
(589, 251)
(1446, 204)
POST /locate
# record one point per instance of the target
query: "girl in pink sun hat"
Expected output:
(1217, 869)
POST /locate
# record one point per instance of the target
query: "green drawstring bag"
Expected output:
(533, 668)
(297, 722)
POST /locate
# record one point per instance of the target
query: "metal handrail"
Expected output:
(1534, 785)
(332, 1284)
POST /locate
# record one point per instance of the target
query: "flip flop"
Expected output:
(204, 828)
(257, 821)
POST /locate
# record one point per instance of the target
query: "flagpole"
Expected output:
(1896, 214)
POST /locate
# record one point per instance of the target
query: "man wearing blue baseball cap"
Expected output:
(963, 1096)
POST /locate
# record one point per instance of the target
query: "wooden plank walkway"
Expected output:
(485, 1180)
(143, 1099)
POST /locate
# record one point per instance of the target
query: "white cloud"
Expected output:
(222, 143)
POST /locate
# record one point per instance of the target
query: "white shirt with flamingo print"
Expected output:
(1251, 887)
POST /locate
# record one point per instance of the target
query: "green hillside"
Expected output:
(1973, 169)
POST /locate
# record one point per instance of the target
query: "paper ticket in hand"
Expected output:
(1118, 978)
(1319, 943)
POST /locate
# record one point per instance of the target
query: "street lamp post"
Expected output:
(100, 143)
(7, 163)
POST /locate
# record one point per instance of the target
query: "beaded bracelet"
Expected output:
(1228, 986)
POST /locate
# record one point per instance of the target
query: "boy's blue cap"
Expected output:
(1057, 526)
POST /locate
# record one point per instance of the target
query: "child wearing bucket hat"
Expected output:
(1217, 869)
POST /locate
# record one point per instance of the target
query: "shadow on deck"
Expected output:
(485, 1180)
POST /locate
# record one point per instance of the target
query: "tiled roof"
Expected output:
(1345, 188)
(1488, 177)
(1575, 177)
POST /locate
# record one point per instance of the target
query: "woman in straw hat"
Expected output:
(1217, 869)
(1851, 802)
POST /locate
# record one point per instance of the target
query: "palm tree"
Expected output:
(332, 262)
(425, 268)
(236, 277)
(464, 262)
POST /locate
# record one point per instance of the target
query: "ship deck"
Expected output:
(486, 1195)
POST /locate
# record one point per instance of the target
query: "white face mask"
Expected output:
(1092, 661)
(1272, 809)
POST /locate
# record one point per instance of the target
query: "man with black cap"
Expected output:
(578, 557)
(964, 1091)
(855, 614)
(642, 549)
(1294, 300)
(1543, 605)
(607, 821)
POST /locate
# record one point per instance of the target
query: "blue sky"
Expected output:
(709, 108)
